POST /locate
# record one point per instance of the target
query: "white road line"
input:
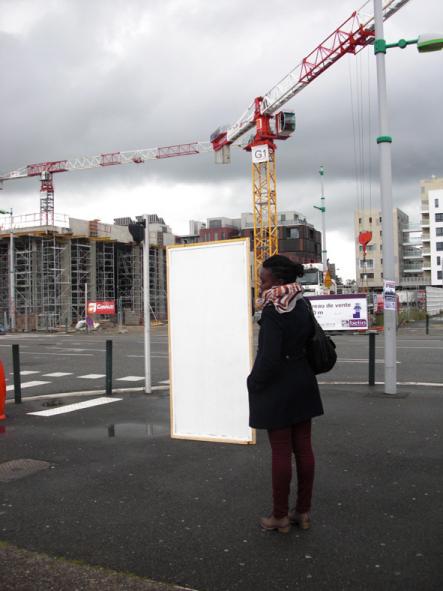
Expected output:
(92, 376)
(340, 360)
(130, 379)
(49, 354)
(28, 372)
(152, 356)
(57, 374)
(27, 385)
(160, 388)
(427, 384)
(164, 382)
(75, 406)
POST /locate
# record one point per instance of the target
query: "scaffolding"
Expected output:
(53, 268)
(80, 270)
(51, 284)
(129, 283)
(4, 283)
(157, 282)
(105, 271)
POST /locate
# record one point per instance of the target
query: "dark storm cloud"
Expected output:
(89, 77)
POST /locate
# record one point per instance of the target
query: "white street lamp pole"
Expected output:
(11, 278)
(146, 308)
(384, 141)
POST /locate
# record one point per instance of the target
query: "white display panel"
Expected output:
(210, 340)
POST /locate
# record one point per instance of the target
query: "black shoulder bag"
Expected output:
(320, 348)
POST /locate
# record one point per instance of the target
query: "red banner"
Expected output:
(101, 307)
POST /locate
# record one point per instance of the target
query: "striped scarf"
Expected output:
(284, 297)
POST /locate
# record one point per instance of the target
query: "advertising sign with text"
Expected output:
(107, 307)
(341, 312)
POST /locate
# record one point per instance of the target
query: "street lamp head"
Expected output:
(430, 42)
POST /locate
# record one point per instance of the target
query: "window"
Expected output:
(215, 235)
(438, 260)
(439, 245)
(439, 217)
(366, 275)
(380, 219)
(381, 232)
(294, 233)
(439, 275)
(435, 202)
(368, 264)
(283, 217)
(359, 220)
(439, 231)
(370, 220)
(215, 224)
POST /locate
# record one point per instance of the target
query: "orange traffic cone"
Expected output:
(2, 392)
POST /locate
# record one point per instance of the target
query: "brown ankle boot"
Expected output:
(302, 520)
(282, 525)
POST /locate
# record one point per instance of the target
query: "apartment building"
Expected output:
(369, 269)
(431, 206)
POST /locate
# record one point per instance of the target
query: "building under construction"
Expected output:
(55, 269)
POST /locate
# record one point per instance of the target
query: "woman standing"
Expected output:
(283, 390)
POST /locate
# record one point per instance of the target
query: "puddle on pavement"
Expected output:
(120, 431)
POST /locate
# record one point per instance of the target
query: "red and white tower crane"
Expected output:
(45, 170)
(268, 124)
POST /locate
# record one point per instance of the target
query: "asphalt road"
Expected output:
(79, 359)
(118, 492)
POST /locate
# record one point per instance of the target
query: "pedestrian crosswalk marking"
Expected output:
(92, 376)
(28, 372)
(164, 382)
(57, 374)
(27, 385)
(75, 406)
(130, 379)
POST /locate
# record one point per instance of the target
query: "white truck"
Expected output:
(312, 280)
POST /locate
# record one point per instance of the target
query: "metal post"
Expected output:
(427, 323)
(108, 368)
(16, 370)
(371, 378)
(324, 252)
(12, 324)
(86, 308)
(384, 141)
(146, 309)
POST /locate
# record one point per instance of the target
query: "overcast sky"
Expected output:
(83, 77)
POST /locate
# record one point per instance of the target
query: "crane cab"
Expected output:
(284, 124)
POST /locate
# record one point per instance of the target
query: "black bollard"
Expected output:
(427, 323)
(17, 378)
(108, 368)
(372, 335)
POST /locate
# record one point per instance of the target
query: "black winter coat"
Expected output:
(283, 389)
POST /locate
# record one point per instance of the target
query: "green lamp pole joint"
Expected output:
(384, 139)
(380, 45)
(322, 209)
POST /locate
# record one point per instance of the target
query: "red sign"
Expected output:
(101, 307)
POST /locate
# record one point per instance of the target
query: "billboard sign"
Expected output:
(107, 307)
(340, 312)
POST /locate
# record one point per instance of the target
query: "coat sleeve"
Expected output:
(269, 356)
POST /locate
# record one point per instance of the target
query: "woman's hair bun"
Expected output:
(284, 268)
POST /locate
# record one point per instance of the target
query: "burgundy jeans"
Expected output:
(283, 442)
